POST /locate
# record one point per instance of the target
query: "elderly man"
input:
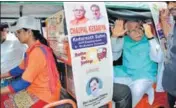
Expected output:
(79, 14)
(141, 52)
(169, 74)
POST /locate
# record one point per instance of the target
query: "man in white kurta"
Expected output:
(12, 51)
(141, 53)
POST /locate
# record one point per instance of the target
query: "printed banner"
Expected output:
(89, 40)
(155, 7)
(56, 36)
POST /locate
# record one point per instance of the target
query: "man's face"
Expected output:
(94, 86)
(79, 12)
(96, 12)
(135, 31)
(3, 34)
(172, 8)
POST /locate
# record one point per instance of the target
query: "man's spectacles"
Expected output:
(18, 32)
(138, 30)
(172, 9)
(78, 10)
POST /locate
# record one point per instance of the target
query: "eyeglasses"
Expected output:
(138, 30)
(18, 32)
(78, 10)
(172, 9)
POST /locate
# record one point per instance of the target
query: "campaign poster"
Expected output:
(155, 8)
(55, 35)
(89, 40)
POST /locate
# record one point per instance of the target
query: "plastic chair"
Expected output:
(61, 102)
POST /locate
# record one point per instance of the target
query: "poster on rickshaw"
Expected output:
(56, 36)
(155, 7)
(89, 40)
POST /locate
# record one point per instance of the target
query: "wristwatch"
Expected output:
(150, 38)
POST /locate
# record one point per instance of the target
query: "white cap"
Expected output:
(28, 22)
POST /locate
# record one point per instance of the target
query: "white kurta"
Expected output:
(141, 86)
(12, 53)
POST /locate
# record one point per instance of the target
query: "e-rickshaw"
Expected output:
(115, 10)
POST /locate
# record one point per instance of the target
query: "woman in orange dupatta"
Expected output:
(39, 83)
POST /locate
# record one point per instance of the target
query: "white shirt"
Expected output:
(12, 53)
(101, 20)
(156, 55)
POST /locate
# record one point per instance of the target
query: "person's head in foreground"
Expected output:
(27, 30)
(134, 30)
(172, 8)
(4, 31)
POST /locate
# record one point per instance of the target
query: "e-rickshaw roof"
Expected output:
(10, 9)
(122, 5)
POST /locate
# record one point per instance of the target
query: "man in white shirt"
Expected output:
(12, 51)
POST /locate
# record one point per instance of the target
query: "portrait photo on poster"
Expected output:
(81, 14)
(94, 86)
